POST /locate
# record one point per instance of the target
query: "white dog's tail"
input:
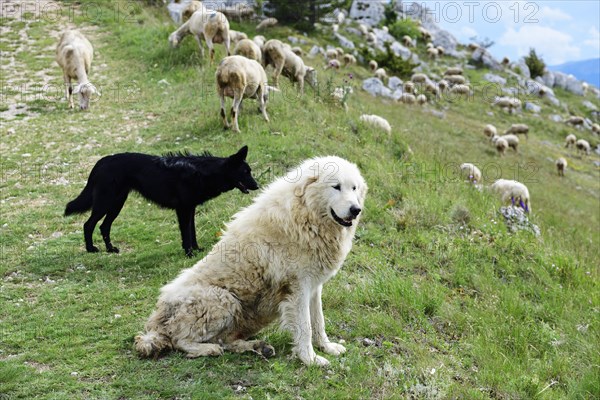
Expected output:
(152, 343)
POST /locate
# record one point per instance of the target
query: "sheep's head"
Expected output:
(310, 76)
(85, 90)
(174, 40)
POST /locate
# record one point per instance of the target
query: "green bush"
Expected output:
(536, 64)
(390, 61)
(404, 27)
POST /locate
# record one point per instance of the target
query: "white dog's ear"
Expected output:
(301, 188)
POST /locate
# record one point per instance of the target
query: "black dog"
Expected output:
(175, 181)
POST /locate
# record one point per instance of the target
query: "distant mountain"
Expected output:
(586, 70)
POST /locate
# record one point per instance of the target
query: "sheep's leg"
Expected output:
(211, 48)
(263, 103)
(199, 40)
(227, 44)
(235, 108)
(69, 90)
(300, 80)
(223, 114)
(276, 73)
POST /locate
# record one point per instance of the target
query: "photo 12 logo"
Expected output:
(472, 11)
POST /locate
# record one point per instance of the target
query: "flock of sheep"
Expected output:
(242, 75)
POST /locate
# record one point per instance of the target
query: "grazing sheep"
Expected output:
(583, 146)
(419, 78)
(454, 71)
(407, 41)
(575, 121)
(473, 46)
(373, 65)
(514, 192)
(460, 89)
(239, 77)
(500, 144)
(377, 122)
(512, 140)
(371, 38)
(213, 26)
(518, 129)
(570, 140)
(441, 50)
(407, 98)
(385, 29)
(433, 53)
(509, 103)
(340, 17)
(409, 87)
(425, 34)
(364, 29)
(236, 36)
(335, 28)
(443, 85)
(561, 165)
(429, 45)
(248, 49)
(421, 99)
(490, 131)
(266, 23)
(335, 64)
(285, 62)
(596, 129)
(340, 52)
(505, 61)
(331, 54)
(260, 40)
(298, 51)
(190, 9)
(471, 173)
(456, 79)
(585, 86)
(340, 94)
(74, 54)
(430, 87)
(381, 74)
(348, 59)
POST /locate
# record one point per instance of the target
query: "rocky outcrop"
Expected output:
(485, 58)
(345, 42)
(516, 220)
(369, 12)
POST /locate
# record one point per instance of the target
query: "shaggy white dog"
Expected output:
(271, 263)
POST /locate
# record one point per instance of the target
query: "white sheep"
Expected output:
(260, 40)
(408, 87)
(456, 79)
(239, 77)
(500, 144)
(454, 71)
(575, 121)
(285, 62)
(74, 54)
(248, 49)
(429, 45)
(190, 9)
(585, 86)
(335, 64)
(443, 85)
(441, 50)
(596, 128)
(371, 38)
(377, 122)
(297, 50)
(510, 103)
(335, 28)
(213, 26)
(583, 146)
(570, 140)
(407, 98)
(266, 23)
(561, 165)
(236, 36)
(340, 17)
(490, 131)
(425, 34)
(518, 129)
(407, 41)
(512, 141)
(470, 172)
(513, 192)
(348, 59)
(331, 54)
(460, 89)
(430, 87)
(433, 53)
(419, 78)
(421, 99)
(364, 29)
(505, 61)
(340, 52)
(473, 46)
(381, 74)
(373, 65)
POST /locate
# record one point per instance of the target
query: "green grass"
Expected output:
(454, 305)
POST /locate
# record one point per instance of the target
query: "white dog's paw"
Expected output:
(309, 357)
(320, 361)
(334, 349)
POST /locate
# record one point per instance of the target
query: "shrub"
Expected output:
(389, 13)
(390, 61)
(404, 27)
(536, 64)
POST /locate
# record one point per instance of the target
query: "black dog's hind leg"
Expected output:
(111, 215)
(88, 227)
(185, 218)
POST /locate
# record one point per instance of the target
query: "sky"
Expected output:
(560, 31)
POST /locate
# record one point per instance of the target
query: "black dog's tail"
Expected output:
(82, 203)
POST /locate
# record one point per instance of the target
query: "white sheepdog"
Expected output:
(270, 264)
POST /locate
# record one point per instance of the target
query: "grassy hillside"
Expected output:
(436, 299)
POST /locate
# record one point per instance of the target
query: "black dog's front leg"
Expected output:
(185, 218)
(193, 229)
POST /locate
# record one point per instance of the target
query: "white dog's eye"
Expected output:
(337, 187)
(353, 187)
